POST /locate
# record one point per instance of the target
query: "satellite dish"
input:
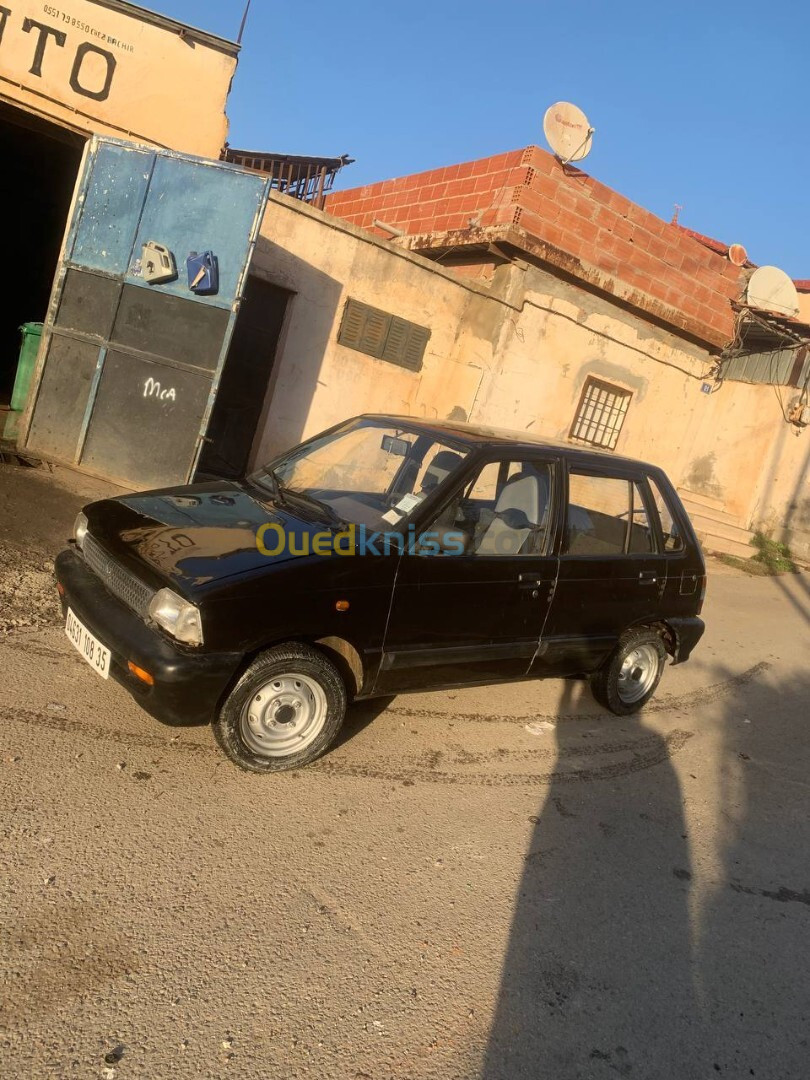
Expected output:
(568, 132)
(770, 289)
(737, 255)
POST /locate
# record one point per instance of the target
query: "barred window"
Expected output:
(601, 413)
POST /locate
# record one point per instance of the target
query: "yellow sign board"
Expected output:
(113, 68)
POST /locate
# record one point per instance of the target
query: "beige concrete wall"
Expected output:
(100, 66)
(515, 354)
(782, 503)
(318, 382)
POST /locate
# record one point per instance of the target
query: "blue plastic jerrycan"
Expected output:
(203, 273)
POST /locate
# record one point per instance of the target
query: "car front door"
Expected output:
(612, 575)
(470, 602)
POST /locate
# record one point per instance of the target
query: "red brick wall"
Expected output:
(662, 266)
(441, 200)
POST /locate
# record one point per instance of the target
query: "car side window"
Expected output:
(484, 489)
(641, 540)
(505, 510)
(607, 515)
(673, 541)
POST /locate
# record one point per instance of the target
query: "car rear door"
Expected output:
(686, 569)
(477, 616)
(612, 574)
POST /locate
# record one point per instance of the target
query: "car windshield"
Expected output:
(371, 474)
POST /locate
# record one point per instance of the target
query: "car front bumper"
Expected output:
(188, 686)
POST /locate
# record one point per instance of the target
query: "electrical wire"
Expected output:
(618, 341)
(785, 416)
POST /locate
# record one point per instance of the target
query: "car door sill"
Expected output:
(458, 654)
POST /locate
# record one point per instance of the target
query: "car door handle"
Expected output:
(529, 581)
(648, 577)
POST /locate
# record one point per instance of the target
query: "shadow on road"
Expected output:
(751, 923)
(358, 717)
(623, 960)
(600, 950)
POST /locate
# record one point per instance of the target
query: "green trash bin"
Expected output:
(31, 336)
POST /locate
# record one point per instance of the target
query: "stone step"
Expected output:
(723, 517)
(722, 545)
(735, 533)
(698, 498)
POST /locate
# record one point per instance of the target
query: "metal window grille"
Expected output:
(601, 414)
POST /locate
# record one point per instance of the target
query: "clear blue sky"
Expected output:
(702, 104)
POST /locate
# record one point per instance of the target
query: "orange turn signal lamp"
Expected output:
(342, 605)
(139, 673)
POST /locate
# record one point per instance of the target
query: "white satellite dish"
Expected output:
(568, 132)
(770, 289)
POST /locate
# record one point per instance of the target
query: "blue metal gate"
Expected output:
(133, 351)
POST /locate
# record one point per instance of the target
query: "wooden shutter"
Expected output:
(351, 328)
(396, 342)
(384, 336)
(418, 338)
(375, 332)
(364, 328)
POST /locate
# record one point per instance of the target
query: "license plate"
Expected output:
(88, 646)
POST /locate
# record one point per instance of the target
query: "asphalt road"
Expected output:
(449, 894)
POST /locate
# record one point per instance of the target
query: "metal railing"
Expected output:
(306, 178)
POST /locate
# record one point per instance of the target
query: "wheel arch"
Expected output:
(340, 651)
(680, 634)
(666, 632)
(346, 659)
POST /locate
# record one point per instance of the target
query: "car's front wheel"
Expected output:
(631, 674)
(284, 712)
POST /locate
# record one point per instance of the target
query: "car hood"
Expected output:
(198, 535)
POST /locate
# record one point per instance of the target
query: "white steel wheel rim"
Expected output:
(638, 673)
(284, 716)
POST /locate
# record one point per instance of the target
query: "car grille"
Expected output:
(119, 581)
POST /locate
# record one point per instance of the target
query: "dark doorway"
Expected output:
(40, 165)
(245, 378)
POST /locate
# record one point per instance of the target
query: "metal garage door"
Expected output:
(128, 371)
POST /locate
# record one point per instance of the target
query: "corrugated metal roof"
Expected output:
(769, 349)
(783, 367)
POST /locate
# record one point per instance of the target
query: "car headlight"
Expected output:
(177, 616)
(80, 530)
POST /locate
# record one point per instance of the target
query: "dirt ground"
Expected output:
(485, 884)
(37, 508)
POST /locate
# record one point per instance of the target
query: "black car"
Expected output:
(385, 555)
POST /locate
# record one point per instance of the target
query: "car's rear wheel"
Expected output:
(631, 674)
(284, 712)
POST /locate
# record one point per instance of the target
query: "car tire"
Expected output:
(631, 674)
(284, 712)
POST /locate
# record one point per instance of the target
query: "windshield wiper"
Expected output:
(276, 490)
(334, 518)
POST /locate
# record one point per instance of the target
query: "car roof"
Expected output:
(480, 435)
